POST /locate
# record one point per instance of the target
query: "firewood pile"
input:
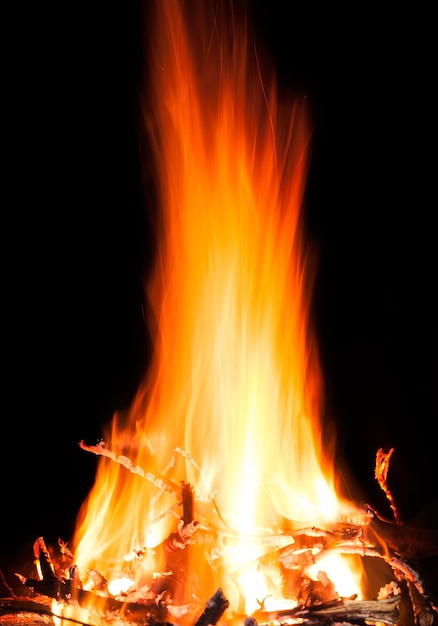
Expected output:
(56, 596)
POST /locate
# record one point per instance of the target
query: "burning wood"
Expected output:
(231, 297)
(160, 482)
(381, 475)
(214, 609)
(316, 601)
(340, 611)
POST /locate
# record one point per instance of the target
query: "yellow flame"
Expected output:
(232, 401)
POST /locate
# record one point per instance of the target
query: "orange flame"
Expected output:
(232, 400)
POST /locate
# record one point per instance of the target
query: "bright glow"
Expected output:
(258, 594)
(345, 578)
(119, 586)
(233, 399)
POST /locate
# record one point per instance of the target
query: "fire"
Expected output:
(233, 399)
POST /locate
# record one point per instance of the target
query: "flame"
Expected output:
(232, 401)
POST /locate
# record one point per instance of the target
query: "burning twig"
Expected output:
(188, 457)
(381, 475)
(44, 559)
(170, 511)
(160, 482)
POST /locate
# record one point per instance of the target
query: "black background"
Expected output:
(77, 241)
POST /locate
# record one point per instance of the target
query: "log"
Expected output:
(15, 606)
(356, 611)
(423, 612)
(132, 611)
(411, 543)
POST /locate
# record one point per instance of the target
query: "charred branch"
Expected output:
(187, 500)
(410, 543)
(422, 609)
(377, 611)
(214, 609)
(404, 571)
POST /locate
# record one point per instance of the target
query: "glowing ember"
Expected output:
(232, 401)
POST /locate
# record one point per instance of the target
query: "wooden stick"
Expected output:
(411, 543)
(160, 482)
(214, 609)
(421, 607)
(378, 611)
(187, 500)
(381, 475)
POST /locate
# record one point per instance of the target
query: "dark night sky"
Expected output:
(77, 240)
